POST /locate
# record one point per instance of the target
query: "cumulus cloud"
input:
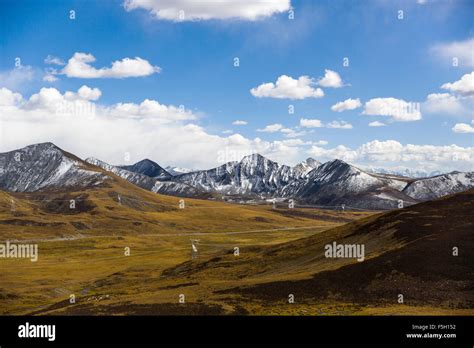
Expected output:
(287, 87)
(53, 103)
(148, 129)
(445, 103)
(310, 123)
(271, 128)
(339, 124)
(392, 153)
(170, 135)
(239, 123)
(330, 79)
(88, 93)
(464, 86)
(191, 10)
(348, 104)
(79, 66)
(376, 124)
(463, 128)
(397, 109)
(9, 98)
(462, 50)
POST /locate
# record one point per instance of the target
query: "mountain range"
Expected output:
(335, 183)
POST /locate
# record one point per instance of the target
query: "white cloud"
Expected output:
(314, 123)
(463, 128)
(287, 87)
(445, 103)
(150, 109)
(17, 78)
(271, 128)
(376, 124)
(462, 50)
(464, 86)
(330, 79)
(339, 124)
(397, 109)
(50, 78)
(190, 10)
(392, 153)
(133, 128)
(78, 66)
(9, 98)
(88, 93)
(295, 142)
(310, 123)
(348, 104)
(46, 99)
(228, 131)
(291, 133)
(53, 60)
(239, 123)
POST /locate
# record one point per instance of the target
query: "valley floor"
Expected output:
(280, 254)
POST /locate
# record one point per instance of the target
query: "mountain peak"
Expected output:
(44, 166)
(149, 168)
(312, 162)
(253, 157)
(146, 161)
(40, 146)
(338, 161)
(306, 166)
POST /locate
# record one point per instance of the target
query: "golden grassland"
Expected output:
(82, 252)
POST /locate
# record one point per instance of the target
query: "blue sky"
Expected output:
(405, 59)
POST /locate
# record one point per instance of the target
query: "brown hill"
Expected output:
(408, 251)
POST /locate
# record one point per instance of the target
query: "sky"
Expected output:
(382, 84)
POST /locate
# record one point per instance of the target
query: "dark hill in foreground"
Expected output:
(408, 251)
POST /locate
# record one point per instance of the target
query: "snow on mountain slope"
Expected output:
(140, 180)
(337, 183)
(253, 175)
(441, 185)
(163, 187)
(174, 188)
(44, 166)
(303, 168)
(405, 172)
(178, 170)
(148, 168)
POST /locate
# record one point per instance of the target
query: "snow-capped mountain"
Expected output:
(406, 172)
(149, 183)
(148, 168)
(140, 180)
(337, 182)
(45, 166)
(302, 169)
(178, 170)
(253, 175)
(440, 185)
